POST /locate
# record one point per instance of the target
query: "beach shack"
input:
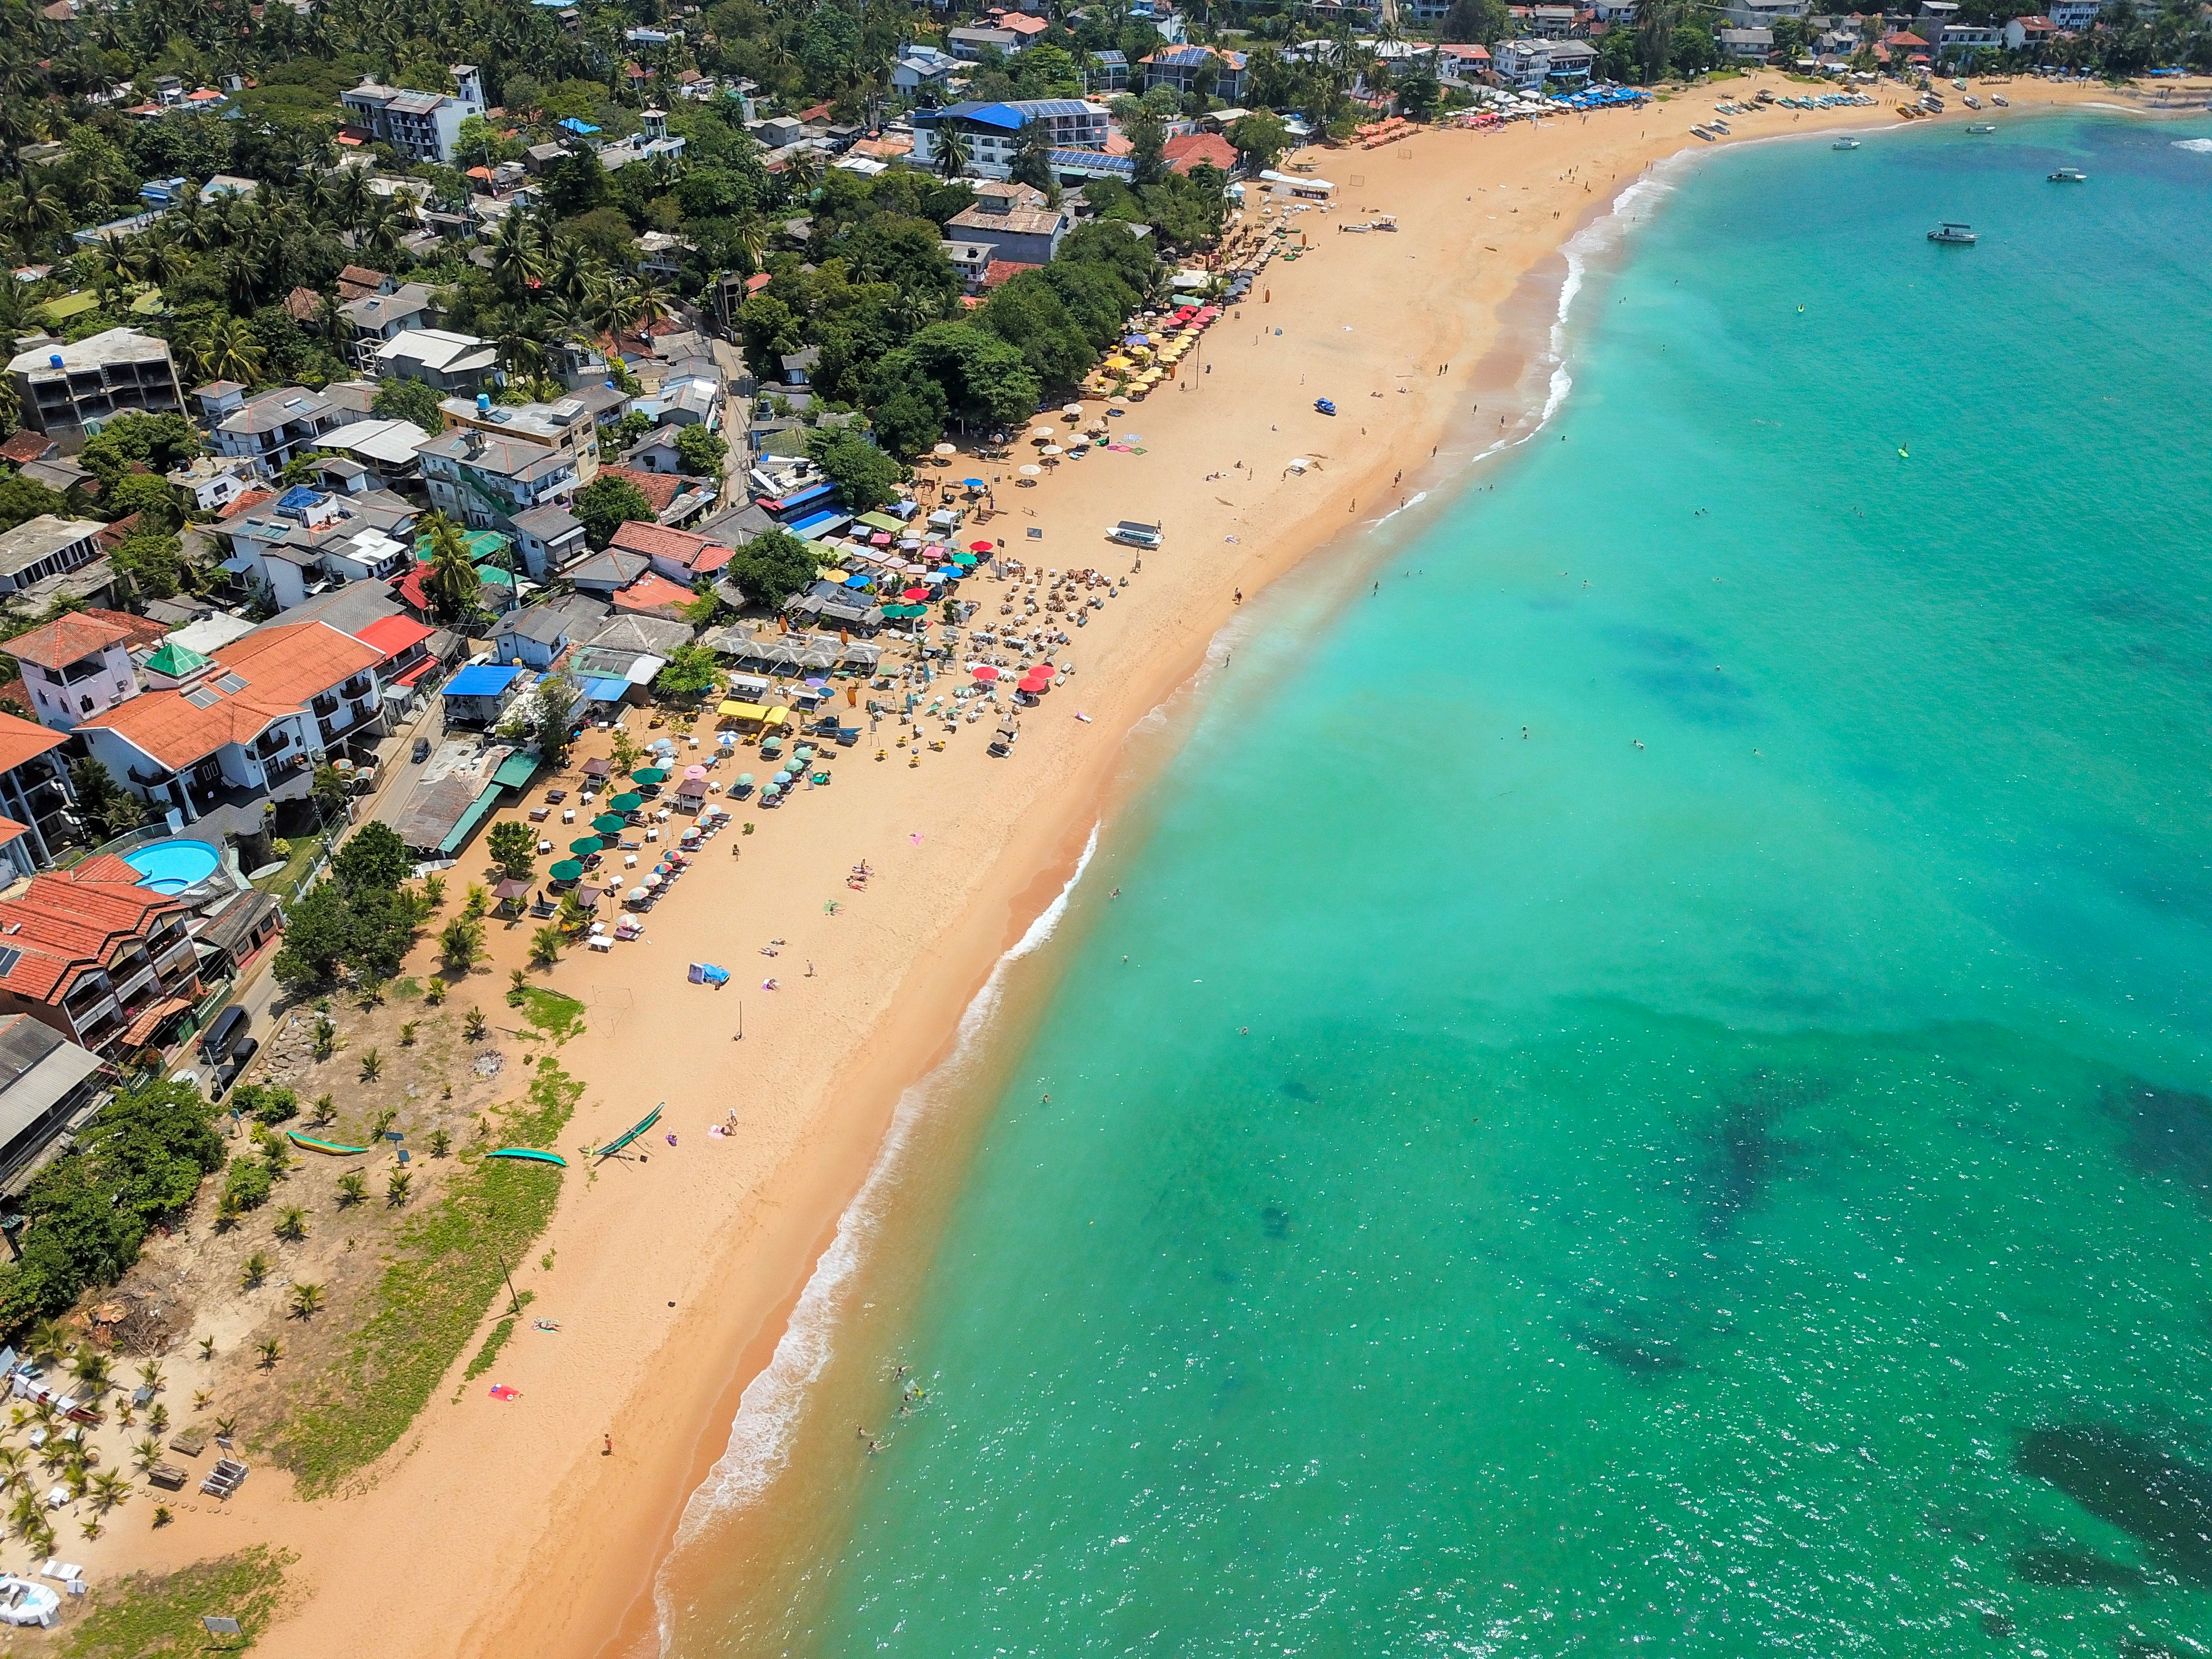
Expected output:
(1302, 190)
(765, 718)
(478, 696)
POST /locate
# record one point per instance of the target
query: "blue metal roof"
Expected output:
(996, 115)
(604, 691)
(297, 498)
(484, 680)
(820, 524)
(581, 128)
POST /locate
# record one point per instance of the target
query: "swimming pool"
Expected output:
(170, 866)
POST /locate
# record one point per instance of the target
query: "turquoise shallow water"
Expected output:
(1658, 1096)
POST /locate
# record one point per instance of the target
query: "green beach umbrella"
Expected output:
(745, 777)
(648, 774)
(586, 844)
(609, 824)
(627, 802)
(567, 870)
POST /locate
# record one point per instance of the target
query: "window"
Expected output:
(84, 705)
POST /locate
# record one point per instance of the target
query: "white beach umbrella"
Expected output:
(1029, 470)
(946, 449)
(1071, 411)
(1043, 432)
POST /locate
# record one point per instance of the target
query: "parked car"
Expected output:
(217, 1041)
(227, 1074)
(421, 750)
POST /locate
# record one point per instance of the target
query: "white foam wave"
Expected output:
(1414, 500)
(2202, 146)
(1602, 234)
(768, 1412)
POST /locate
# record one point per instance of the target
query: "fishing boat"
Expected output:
(1970, 101)
(1909, 112)
(309, 1143)
(1981, 126)
(1962, 235)
(2068, 176)
(1700, 132)
(1720, 127)
(2000, 100)
(1845, 143)
(531, 1154)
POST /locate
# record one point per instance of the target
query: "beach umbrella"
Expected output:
(693, 774)
(587, 844)
(1030, 469)
(771, 788)
(1051, 449)
(858, 579)
(973, 483)
(650, 774)
(1044, 671)
(1070, 409)
(638, 895)
(627, 802)
(649, 880)
(947, 449)
(609, 824)
(746, 779)
(978, 547)
(1136, 340)
(567, 870)
(984, 672)
(1044, 431)
(913, 593)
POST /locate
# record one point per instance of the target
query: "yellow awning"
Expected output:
(776, 716)
(742, 711)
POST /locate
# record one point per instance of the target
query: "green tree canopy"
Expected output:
(400, 399)
(771, 566)
(606, 504)
(374, 856)
(691, 672)
(865, 476)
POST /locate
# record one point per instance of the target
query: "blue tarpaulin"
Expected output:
(484, 680)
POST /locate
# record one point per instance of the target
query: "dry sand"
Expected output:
(503, 1528)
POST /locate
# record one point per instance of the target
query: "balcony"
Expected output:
(97, 1022)
(136, 981)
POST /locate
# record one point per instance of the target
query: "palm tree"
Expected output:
(49, 1339)
(372, 1067)
(517, 255)
(151, 1375)
(451, 584)
(108, 1489)
(292, 1225)
(951, 154)
(750, 237)
(352, 1188)
(307, 1301)
(395, 1189)
(545, 945)
(270, 1353)
(255, 1270)
(231, 351)
(93, 1370)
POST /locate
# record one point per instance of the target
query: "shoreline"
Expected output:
(734, 1261)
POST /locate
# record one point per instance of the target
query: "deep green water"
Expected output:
(1746, 1193)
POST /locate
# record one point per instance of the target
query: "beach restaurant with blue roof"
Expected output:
(478, 696)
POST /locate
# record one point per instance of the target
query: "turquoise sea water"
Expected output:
(1658, 1097)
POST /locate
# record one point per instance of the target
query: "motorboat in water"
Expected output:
(2068, 176)
(1982, 126)
(1845, 143)
(1958, 234)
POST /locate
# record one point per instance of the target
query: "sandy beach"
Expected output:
(498, 1529)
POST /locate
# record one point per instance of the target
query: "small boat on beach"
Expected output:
(1970, 101)
(1701, 132)
(2068, 176)
(1959, 235)
(1845, 143)
(1720, 127)
(2000, 100)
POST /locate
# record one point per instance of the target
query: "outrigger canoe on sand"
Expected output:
(531, 1153)
(628, 1135)
(309, 1143)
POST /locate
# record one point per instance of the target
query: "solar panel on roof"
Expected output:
(9, 955)
(202, 698)
(230, 682)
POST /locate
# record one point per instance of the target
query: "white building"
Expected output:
(421, 126)
(438, 357)
(76, 668)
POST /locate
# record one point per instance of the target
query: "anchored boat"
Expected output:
(1845, 143)
(2068, 176)
(1963, 235)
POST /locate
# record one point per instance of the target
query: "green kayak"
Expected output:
(533, 1155)
(310, 1144)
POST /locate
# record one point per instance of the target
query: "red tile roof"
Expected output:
(27, 445)
(757, 281)
(658, 488)
(70, 921)
(66, 640)
(283, 668)
(695, 553)
(22, 740)
(999, 272)
(652, 592)
(1200, 149)
(246, 503)
(10, 830)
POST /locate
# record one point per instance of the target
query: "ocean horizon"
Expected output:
(1647, 1082)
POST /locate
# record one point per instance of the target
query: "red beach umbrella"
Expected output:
(978, 547)
(984, 672)
(912, 595)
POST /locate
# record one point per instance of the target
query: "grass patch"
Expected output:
(487, 1355)
(300, 854)
(410, 988)
(444, 1271)
(559, 1017)
(149, 1616)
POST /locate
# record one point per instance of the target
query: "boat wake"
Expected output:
(769, 1412)
(2201, 146)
